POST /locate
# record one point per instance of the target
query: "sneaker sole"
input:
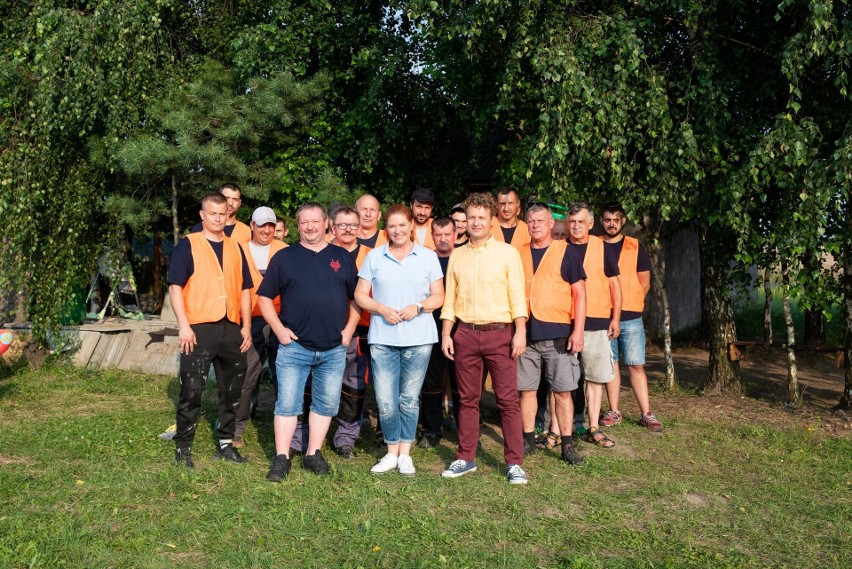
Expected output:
(457, 474)
(518, 482)
(226, 459)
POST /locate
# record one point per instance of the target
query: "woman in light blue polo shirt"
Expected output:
(399, 283)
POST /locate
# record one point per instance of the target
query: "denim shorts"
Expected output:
(629, 347)
(293, 364)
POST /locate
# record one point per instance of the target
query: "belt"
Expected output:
(484, 327)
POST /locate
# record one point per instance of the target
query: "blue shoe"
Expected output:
(459, 468)
(516, 475)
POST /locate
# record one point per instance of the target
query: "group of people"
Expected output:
(423, 302)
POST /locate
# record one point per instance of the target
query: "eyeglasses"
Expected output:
(349, 226)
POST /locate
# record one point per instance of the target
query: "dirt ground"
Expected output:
(764, 378)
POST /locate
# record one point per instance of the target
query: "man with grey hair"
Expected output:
(316, 281)
(556, 294)
(603, 313)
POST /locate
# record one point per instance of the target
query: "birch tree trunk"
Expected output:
(658, 280)
(794, 396)
(767, 308)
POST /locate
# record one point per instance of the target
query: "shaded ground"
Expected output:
(764, 377)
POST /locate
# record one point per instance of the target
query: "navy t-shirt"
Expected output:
(610, 270)
(315, 291)
(508, 233)
(572, 271)
(371, 242)
(643, 263)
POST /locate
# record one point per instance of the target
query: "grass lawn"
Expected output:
(85, 482)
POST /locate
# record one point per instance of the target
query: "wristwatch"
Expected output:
(419, 308)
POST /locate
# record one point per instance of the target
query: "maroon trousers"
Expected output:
(494, 349)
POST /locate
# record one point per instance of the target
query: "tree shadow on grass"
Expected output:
(7, 387)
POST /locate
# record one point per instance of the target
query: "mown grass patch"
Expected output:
(85, 482)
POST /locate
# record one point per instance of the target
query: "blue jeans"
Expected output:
(398, 373)
(629, 347)
(294, 362)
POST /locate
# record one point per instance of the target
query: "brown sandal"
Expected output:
(547, 441)
(598, 438)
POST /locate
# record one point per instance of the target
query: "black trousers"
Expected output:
(217, 343)
(432, 392)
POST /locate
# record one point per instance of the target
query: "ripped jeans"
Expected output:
(398, 373)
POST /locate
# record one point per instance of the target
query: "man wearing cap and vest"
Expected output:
(603, 311)
(635, 278)
(258, 252)
(508, 227)
(556, 292)
(209, 284)
(235, 229)
(350, 416)
(422, 203)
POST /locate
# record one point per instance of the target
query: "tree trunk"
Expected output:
(767, 308)
(814, 328)
(794, 397)
(158, 272)
(718, 315)
(175, 220)
(658, 282)
(846, 398)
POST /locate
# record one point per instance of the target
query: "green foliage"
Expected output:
(68, 74)
(216, 129)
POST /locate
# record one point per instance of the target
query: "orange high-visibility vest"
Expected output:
(362, 254)
(213, 292)
(632, 295)
(598, 299)
(427, 242)
(548, 295)
(520, 238)
(241, 233)
(257, 278)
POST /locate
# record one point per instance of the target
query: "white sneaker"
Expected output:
(516, 475)
(388, 463)
(405, 465)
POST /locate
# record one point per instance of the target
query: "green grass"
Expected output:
(85, 482)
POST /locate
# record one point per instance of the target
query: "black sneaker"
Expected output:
(571, 456)
(428, 440)
(183, 457)
(229, 453)
(280, 468)
(346, 452)
(315, 463)
(529, 449)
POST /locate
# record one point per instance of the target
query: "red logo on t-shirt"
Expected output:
(334, 264)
